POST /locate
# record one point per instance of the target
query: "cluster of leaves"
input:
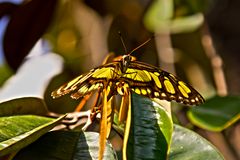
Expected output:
(24, 120)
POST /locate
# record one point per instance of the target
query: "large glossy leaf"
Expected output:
(217, 113)
(19, 131)
(151, 130)
(188, 145)
(20, 106)
(66, 145)
(27, 24)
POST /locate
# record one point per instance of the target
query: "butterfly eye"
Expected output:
(126, 58)
(130, 58)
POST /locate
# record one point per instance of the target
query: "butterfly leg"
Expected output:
(93, 112)
(83, 102)
(114, 74)
(125, 112)
(123, 90)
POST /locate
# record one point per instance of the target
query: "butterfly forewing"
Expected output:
(86, 83)
(156, 83)
(70, 86)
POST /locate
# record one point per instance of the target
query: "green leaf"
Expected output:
(159, 14)
(187, 145)
(187, 24)
(66, 145)
(217, 113)
(159, 18)
(5, 73)
(19, 106)
(162, 9)
(151, 130)
(17, 132)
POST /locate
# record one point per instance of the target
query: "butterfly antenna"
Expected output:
(124, 46)
(144, 43)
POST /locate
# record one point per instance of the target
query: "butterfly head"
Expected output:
(126, 59)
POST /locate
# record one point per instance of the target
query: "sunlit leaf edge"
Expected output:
(202, 124)
(16, 106)
(16, 143)
(196, 120)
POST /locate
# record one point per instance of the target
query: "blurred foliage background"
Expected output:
(196, 40)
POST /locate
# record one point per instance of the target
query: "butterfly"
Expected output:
(122, 76)
(136, 76)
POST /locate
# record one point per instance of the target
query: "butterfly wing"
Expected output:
(142, 78)
(153, 82)
(86, 83)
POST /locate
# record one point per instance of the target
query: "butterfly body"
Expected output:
(139, 77)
